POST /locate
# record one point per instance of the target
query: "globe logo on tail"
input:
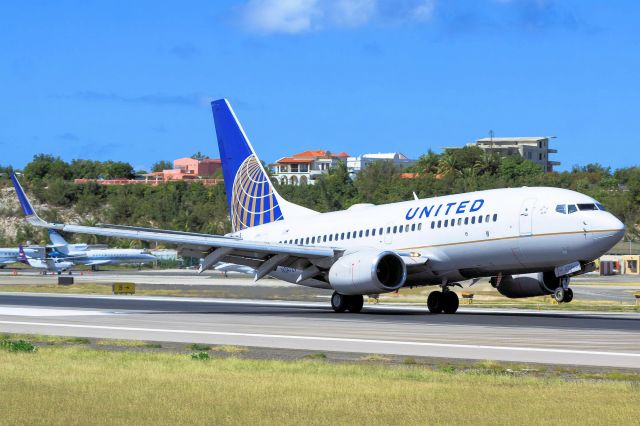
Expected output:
(253, 201)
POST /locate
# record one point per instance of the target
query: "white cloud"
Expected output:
(351, 13)
(298, 16)
(424, 11)
(283, 16)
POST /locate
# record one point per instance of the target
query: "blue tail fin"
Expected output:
(22, 257)
(57, 239)
(251, 196)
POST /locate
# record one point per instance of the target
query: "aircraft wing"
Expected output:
(262, 256)
(97, 262)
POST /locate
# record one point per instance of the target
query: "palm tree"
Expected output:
(448, 165)
(469, 179)
(488, 163)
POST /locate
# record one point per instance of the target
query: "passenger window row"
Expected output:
(469, 220)
(363, 233)
(396, 229)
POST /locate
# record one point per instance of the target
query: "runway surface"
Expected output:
(568, 338)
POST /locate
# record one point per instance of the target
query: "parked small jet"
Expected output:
(10, 255)
(528, 241)
(232, 267)
(82, 254)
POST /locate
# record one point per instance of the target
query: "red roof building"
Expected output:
(305, 167)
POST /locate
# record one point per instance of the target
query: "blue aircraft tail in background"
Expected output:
(57, 239)
(251, 196)
(22, 257)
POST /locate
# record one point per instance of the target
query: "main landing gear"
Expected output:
(343, 302)
(443, 301)
(563, 294)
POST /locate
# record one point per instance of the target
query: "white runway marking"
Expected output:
(330, 339)
(44, 312)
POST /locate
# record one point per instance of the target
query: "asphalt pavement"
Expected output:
(562, 338)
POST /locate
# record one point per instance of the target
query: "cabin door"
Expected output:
(526, 216)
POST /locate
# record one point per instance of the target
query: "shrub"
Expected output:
(18, 346)
(200, 356)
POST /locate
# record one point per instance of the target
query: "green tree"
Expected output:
(161, 165)
(427, 163)
(85, 169)
(47, 166)
(116, 170)
(379, 183)
(199, 156)
(517, 170)
(448, 164)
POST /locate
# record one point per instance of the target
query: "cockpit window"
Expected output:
(572, 208)
(601, 207)
(587, 207)
(561, 208)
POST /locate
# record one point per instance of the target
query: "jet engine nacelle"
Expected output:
(526, 285)
(368, 272)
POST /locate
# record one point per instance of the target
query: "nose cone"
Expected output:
(618, 227)
(609, 230)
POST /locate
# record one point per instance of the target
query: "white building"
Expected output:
(305, 167)
(535, 149)
(355, 164)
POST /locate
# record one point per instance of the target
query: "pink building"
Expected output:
(183, 169)
(189, 166)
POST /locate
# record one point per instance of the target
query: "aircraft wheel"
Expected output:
(339, 302)
(568, 296)
(559, 294)
(450, 302)
(355, 304)
(434, 302)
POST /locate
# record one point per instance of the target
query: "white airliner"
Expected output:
(528, 240)
(82, 254)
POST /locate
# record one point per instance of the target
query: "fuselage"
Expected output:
(10, 255)
(477, 234)
(110, 256)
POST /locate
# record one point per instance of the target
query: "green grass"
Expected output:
(376, 358)
(316, 356)
(122, 343)
(49, 340)
(199, 347)
(73, 385)
(230, 349)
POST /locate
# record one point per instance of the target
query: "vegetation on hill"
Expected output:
(197, 208)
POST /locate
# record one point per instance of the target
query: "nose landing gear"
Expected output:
(563, 294)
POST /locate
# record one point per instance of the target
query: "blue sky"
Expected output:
(132, 80)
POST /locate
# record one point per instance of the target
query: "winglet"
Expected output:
(22, 197)
(27, 208)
